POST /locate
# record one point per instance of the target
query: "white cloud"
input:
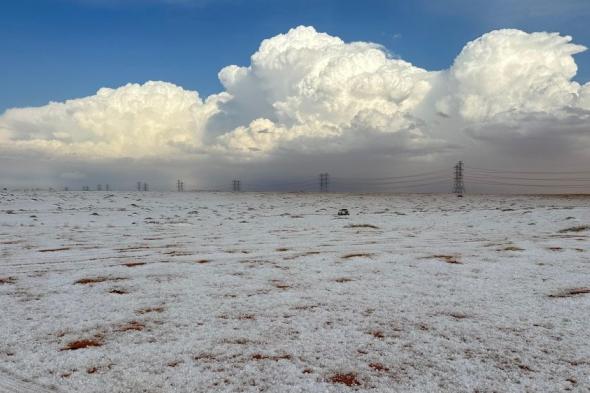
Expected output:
(132, 121)
(306, 92)
(509, 72)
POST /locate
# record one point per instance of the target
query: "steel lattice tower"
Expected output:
(324, 180)
(459, 187)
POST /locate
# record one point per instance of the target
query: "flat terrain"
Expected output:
(204, 292)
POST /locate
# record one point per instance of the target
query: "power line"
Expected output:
(526, 172)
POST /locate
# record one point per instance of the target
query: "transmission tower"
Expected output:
(108, 188)
(236, 185)
(459, 187)
(138, 186)
(324, 179)
(178, 183)
(145, 187)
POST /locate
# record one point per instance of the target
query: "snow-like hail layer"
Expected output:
(304, 87)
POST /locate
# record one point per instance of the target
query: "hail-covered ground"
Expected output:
(263, 292)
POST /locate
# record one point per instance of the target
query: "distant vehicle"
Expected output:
(343, 212)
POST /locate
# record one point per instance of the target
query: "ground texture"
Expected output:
(203, 292)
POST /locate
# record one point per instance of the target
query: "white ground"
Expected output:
(281, 303)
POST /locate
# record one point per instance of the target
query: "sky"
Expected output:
(361, 89)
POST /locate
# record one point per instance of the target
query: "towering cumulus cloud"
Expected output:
(308, 92)
(153, 119)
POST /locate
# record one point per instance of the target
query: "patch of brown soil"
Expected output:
(378, 334)
(202, 261)
(511, 248)
(571, 292)
(362, 226)
(276, 358)
(205, 357)
(177, 253)
(378, 367)
(91, 370)
(579, 228)
(280, 284)
(345, 379)
(304, 254)
(282, 249)
(147, 310)
(133, 325)
(55, 249)
(357, 255)
(133, 264)
(80, 344)
(7, 280)
(96, 280)
(448, 259)
(458, 315)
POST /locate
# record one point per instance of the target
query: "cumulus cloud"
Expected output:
(153, 119)
(510, 72)
(310, 93)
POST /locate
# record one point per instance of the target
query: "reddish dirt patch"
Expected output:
(345, 379)
(280, 284)
(147, 310)
(357, 255)
(55, 249)
(7, 280)
(378, 367)
(80, 344)
(276, 358)
(448, 259)
(571, 292)
(96, 280)
(134, 264)
(132, 326)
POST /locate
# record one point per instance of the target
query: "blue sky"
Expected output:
(59, 49)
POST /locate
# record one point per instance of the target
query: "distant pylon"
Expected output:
(145, 187)
(324, 179)
(108, 188)
(459, 187)
(236, 185)
(138, 186)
